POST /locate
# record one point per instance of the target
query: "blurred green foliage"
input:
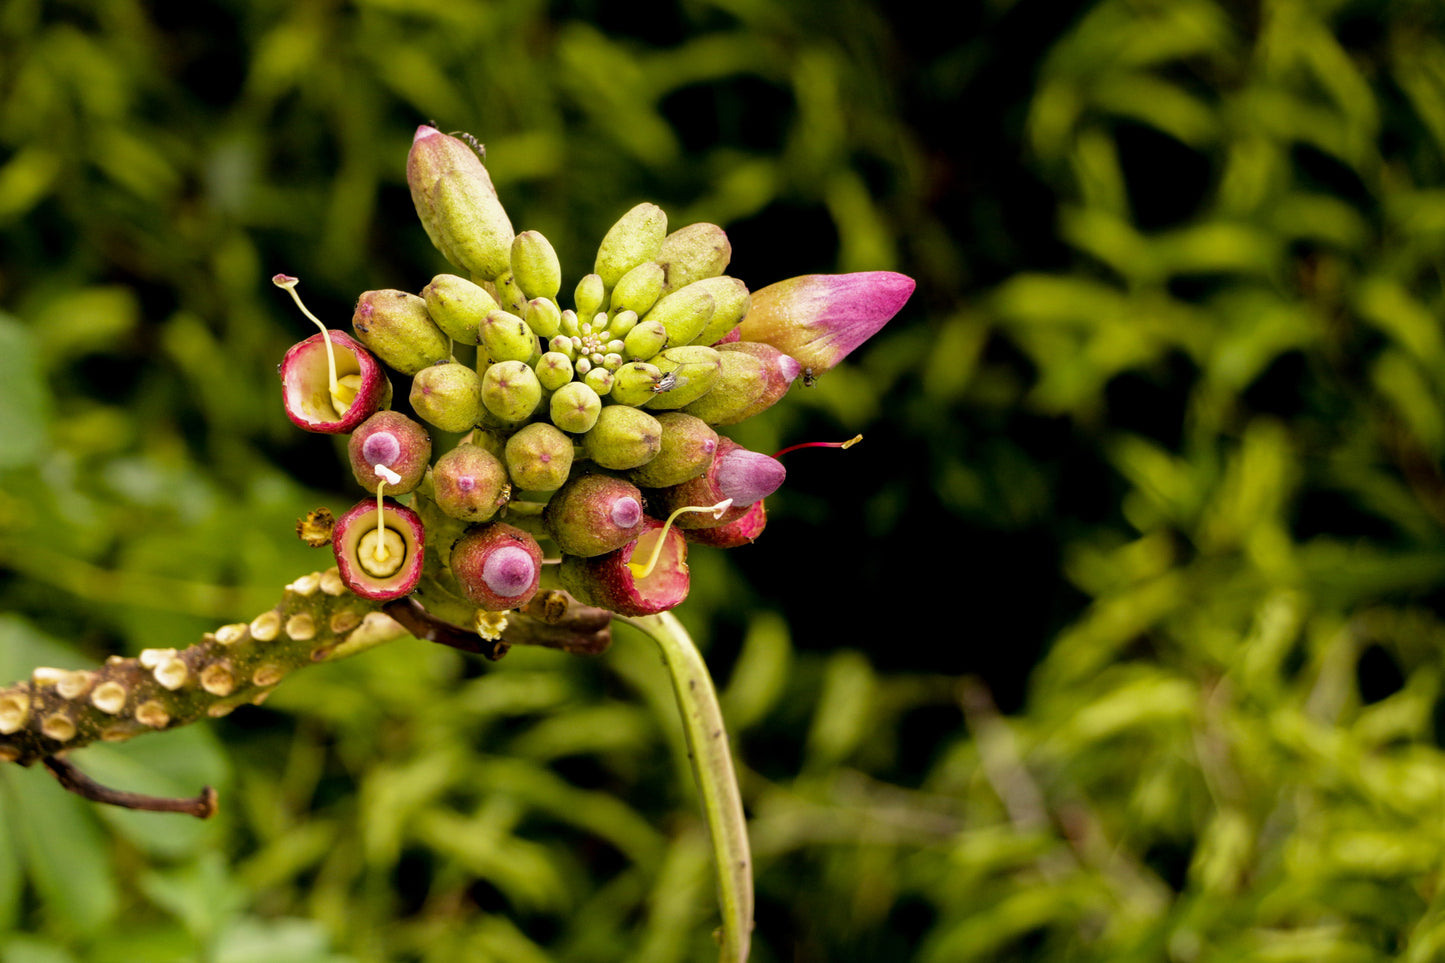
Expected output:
(1118, 639)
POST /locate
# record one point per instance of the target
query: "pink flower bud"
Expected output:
(736, 474)
(497, 566)
(820, 318)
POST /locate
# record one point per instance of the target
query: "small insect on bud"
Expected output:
(497, 566)
(379, 552)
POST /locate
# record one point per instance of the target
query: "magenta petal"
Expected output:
(748, 476)
(820, 318)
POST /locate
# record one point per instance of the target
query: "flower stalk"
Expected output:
(714, 775)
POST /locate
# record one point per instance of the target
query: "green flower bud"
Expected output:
(543, 317)
(639, 289)
(623, 438)
(457, 306)
(554, 370)
(511, 391)
(622, 324)
(458, 205)
(570, 324)
(507, 337)
(396, 326)
(780, 371)
(535, 266)
(448, 395)
(634, 383)
(636, 237)
(694, 369)
(599, 380)
(741, 382)
(539, 458)
(594, 514)
(688, 445)
(683, 313)
(644, 340)
(574, 407)
(469, 483)
(588, 296)
(692, 253)
(563, 345)
(731, 298)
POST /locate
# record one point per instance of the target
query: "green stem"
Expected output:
(712, 767)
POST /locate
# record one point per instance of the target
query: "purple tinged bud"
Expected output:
(781, 371)
(497, 566)
(469, 483)
(382, 448)
(747, 476)
(594, 514)
(508, 571)
(747, 479)
(820, 318)
(626, 512)
(391, 440)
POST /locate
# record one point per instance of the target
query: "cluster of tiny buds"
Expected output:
(592, 427)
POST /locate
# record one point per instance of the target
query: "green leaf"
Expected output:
(24, 402)
(65, 853)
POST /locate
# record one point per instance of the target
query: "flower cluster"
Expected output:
(591, 428)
